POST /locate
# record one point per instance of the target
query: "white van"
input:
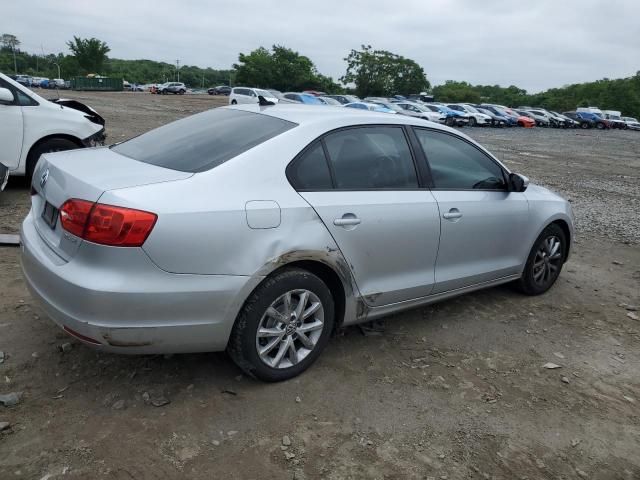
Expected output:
(31, 125)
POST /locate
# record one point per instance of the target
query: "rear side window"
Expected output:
(310, 171)
(458, 165)
(204, 141)
(371, 158)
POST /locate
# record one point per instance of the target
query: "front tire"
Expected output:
(233, 102)
(472, 122)
(544, 262)
(283, 327)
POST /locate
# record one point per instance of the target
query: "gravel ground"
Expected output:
(455, 390)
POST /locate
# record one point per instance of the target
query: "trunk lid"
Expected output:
(85, 174)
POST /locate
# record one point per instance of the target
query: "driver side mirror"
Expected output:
(517, 182)
(6, 97)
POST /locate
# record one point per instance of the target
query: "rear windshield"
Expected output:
(204, 141)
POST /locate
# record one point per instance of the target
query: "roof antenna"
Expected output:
(263, 102)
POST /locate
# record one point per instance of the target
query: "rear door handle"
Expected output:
(343, 222)
(452, 214)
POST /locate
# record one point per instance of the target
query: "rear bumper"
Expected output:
(121, 300)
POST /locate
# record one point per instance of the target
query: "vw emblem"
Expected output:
(44, 177)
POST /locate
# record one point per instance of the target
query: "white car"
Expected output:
(632, 123)
(240, 95)
(31, 126)
(415, 109)
(475, 117)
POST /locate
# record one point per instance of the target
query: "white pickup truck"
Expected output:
(31, 125)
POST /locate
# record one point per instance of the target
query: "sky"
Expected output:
(535, 45)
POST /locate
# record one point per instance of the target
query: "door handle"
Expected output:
(453, 214)
(346, 221)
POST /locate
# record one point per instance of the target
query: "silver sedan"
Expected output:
(261, 229)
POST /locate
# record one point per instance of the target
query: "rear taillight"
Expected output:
(74, 214)
(106, 224)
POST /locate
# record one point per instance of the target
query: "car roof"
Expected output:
(310, 114)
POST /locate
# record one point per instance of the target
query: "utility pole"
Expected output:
(57, 65)
(178, 69)
(15, 63)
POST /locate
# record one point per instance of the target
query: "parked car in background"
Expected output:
(567, 122)
(329, 101)
(631, 123)
(242, 95)
(582, 121)
(510, 118)
(497, 120)
(453, 117)
(344, 99)
(373, 107)
(305, 98)
(475, 117)
(23, 80)
(177, 88)
(419, 110)
(615, 118)
(298, 191)
(31, 126)
(315, 93)
(541, 112)
(220, 90)
(538, 119)
(599, 121)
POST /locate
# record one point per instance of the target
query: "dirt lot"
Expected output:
(452, 391)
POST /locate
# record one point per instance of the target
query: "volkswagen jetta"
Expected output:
(261, 229)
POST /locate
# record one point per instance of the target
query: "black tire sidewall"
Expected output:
(527, 284)
(242, 344)
(51, 145)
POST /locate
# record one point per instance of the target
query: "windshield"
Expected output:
(203, 141)
(264, 93)
(469, 108)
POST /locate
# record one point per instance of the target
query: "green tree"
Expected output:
(280, 68)
(91, 53)
(382, 73)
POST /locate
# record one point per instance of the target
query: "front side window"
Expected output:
(458, 165)
(203, 141)
(371, 158)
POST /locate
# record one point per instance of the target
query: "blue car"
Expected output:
(453, 116)
(305, 98)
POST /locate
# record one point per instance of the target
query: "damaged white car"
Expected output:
(31, 125)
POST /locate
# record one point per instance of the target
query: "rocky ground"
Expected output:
(457, 390)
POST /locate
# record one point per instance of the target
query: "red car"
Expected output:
(522, 120)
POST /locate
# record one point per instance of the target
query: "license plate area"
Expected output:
(50, 215)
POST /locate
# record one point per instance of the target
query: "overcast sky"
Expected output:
(535, 45)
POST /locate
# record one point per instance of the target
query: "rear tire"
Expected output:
(233, 102)
(48, 146)
(600, 126)
(295, 341)
(544, 262)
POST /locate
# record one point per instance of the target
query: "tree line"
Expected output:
(369, 72)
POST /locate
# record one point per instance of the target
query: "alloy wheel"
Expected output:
(290, 329)
(548, 260)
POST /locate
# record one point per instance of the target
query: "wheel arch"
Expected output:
(42, 140)
(328, 265)
(567, 233)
